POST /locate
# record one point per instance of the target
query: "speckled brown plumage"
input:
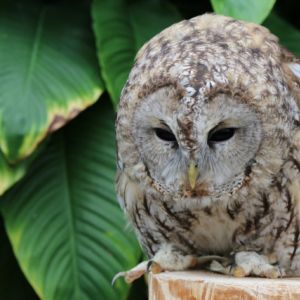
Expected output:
(193, 79)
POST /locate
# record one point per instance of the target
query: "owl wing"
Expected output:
(291, 68)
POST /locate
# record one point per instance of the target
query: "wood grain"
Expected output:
(196, 285)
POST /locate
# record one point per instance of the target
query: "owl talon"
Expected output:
(132, 274)
(231, 269)
(280, 271)
(150, 262)
(120, 274)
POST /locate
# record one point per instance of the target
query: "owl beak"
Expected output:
(193, 173)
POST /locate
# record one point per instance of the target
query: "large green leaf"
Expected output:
(247, 10)
(288, 35)
(13, 284)
(121, 28)
(10, 174)
(62, 218)
(48, 71)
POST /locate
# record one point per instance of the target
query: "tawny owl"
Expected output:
(208, 148)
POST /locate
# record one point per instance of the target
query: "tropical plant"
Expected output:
(61, 219)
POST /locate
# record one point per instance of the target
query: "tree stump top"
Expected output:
(203, 285)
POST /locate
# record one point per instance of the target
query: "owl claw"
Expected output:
(120, 274)
(150, 262)
(132, 274)
(280, 271)
(231, 269)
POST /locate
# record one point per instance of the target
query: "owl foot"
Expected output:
(157, 268)
(170, 259)
(132, 274)
(166, 259)
(249, 263)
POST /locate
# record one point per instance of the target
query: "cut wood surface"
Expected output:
(202, 285)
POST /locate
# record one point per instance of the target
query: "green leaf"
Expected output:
(48, 71)
(63, 219)
(121, 28)
(247, 10)
(13, 284)
(288, 35)
(10, 174)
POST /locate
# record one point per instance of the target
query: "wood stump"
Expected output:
(202, 285)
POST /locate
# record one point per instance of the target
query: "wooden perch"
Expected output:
(204, 285)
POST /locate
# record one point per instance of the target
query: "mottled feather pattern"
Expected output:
(193, 79)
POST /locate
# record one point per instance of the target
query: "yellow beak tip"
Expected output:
(193, 173)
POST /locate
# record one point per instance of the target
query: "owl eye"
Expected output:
(165, 135)
(222, 135)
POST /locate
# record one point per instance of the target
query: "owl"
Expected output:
(208, 149)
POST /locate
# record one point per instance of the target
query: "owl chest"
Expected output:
(213, 227)
(213, 233)
(203, 231)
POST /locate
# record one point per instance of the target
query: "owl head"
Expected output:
(210, 106)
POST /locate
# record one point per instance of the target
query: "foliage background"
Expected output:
(63, 64)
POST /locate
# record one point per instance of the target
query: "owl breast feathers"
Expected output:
(208, 146)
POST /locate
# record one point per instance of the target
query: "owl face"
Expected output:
(203, 144)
